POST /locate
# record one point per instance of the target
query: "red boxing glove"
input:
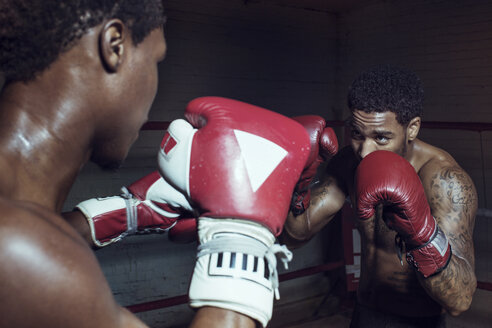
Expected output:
(385, 178)
(184, 231)
(324, 143)
(237, 157)
(147, 205)
(238, 164)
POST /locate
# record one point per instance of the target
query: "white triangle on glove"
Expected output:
(261, 157)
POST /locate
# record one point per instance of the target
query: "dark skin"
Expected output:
(51, 126)
(385, 284)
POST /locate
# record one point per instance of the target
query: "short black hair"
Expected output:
(33, 33)
(388, 88)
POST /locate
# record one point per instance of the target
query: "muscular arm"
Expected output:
(327, 199)
(205, 317)
(54, 279)
(216, 317)
(453, 200)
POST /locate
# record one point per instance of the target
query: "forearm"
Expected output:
(326, 201)
(295, 232)
(298, 230)
(453, 287)
(455, 215)
(214, 317)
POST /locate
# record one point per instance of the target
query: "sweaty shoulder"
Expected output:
(435, 163)
(450, 190)
(429, 158)
(51, 277)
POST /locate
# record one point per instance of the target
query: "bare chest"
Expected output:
(385, 281)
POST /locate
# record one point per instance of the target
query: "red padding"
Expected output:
(159, 304)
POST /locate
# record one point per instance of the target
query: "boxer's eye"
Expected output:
(381, 139)
(356, 135)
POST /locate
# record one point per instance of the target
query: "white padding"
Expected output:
(162, 192)
(97, 206)
(175, 165)
(235, 276)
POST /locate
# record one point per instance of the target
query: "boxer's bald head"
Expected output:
(388, 88)
(34, 33)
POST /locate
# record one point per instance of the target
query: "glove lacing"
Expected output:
(132, 216)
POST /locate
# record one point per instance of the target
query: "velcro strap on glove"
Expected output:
(432, 257)
(245, 247)
(236, 267)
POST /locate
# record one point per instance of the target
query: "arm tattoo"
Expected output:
(453, 200)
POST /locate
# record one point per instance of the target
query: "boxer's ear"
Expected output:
(413, 128)
(111, 44)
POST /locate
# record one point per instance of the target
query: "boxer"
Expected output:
(415, 208)
(80, 78)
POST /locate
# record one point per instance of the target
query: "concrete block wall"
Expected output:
(281, 58)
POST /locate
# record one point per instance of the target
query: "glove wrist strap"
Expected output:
(236, 267)
(131, 212)
(432, 257)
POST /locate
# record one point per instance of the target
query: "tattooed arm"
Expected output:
(327, 198)
(453, 200)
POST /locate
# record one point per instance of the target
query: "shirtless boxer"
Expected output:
(80, 78)
(386, 110)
